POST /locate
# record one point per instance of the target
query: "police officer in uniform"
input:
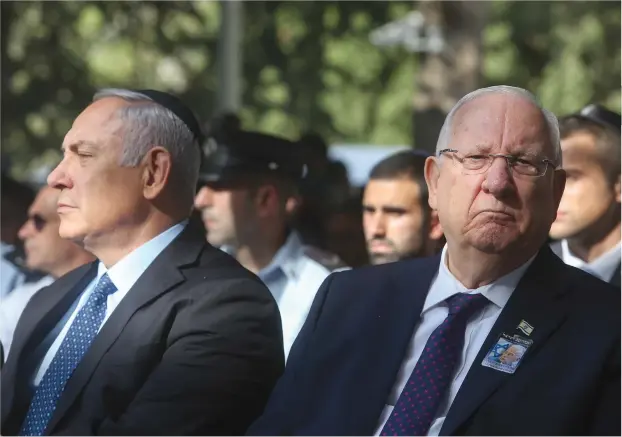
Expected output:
(247, 197)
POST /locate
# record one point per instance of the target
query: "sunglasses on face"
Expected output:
(38, 221)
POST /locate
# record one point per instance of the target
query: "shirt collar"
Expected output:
(602, 267)
(285, 257)
(126, 272)
(498, 292)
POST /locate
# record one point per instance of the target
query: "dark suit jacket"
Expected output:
(556, 247)
(345, 360)
(195, 347)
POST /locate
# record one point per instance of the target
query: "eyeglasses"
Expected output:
(477, 163)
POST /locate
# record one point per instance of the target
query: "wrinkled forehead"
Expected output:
(500, 123)
(98, 123)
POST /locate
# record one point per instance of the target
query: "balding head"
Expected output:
(507, 94)
(129, 172)
(493, 182)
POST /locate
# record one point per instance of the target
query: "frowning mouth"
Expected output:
(497, 214)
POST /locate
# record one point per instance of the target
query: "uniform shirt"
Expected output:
(293, 277)
(602, 267)
(12, 306)
(11, 276)
(443, 286)
(123, 275)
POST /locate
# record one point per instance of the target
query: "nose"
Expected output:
(204, 198)
(59, 178)
(377, 225)
(26, 230)
(498, 180)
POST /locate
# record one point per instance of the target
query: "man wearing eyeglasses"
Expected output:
(419, 347)
(46, 252)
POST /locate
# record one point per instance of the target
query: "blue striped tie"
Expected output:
(75, 344)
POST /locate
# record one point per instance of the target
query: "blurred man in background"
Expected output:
(16, 198)
(46, 252)
(397, 219)
(588, 219)
(249, 181)
(324, 191)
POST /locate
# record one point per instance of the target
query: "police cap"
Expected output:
(233, 155)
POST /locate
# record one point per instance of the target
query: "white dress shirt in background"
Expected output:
(12, 306)
(602, 267)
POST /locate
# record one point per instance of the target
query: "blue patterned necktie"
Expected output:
(72, 349)
(420, 399)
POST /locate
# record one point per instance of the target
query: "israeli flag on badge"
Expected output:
(506, 354)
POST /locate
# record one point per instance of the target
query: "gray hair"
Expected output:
(549, 117)
(149, 124)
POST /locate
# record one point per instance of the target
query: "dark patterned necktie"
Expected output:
(421, 397)
(73, 347)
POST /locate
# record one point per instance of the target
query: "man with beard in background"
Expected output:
(397, 219)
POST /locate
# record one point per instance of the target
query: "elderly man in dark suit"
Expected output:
(164, 334)
(495, 336)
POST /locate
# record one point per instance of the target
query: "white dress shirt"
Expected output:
(602, 267)
(434, 312)
(123, 275)
(12, 306)
(293, 277)
(11, 276)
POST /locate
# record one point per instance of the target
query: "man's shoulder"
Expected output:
(217, 266)
(323, 259)
(591, 297)
(593, 286)
(412, 271)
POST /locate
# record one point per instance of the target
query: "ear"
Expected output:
(617, 189)
(559, 183)
(156, 171)
(431, 174)
(266, 200)
(436, 230)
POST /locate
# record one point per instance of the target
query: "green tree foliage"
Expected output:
(307, 65)
(568, 53)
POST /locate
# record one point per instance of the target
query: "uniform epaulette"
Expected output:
(324, 258)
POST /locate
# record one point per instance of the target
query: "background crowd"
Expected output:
(239, 179)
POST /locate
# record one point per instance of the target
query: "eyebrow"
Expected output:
(78, 144)
(385, 208)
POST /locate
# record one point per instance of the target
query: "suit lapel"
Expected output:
(52, 304)
(162, 275)
(615, 279)
(387, 335)
(535, 300)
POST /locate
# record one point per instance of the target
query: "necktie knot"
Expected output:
(104, 287)
(464, 303)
